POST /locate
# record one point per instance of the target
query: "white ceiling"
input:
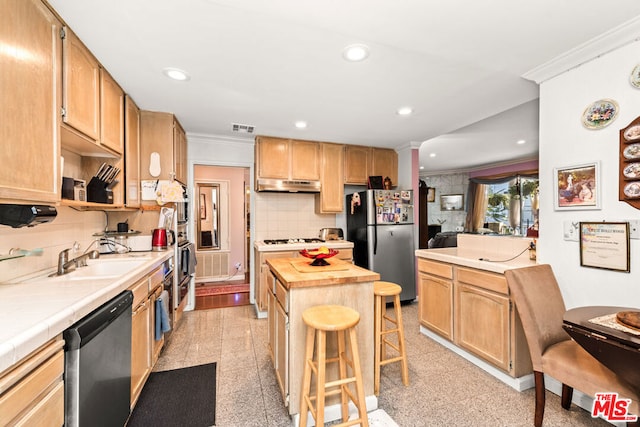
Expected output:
(272, 63)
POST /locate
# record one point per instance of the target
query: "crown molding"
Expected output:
(219, 138)
(609, 41)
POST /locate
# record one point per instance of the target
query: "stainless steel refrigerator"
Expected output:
(380, 225)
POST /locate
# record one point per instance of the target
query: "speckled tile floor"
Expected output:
(444, 390)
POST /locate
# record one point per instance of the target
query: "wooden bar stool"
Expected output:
(320, 320)
(382, 290)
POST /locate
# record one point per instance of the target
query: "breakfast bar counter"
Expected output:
(295, 286)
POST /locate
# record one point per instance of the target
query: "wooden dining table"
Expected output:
(618, 350)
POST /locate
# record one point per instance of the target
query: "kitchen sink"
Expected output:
(97, 269)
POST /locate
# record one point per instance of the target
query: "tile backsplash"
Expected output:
(288, 215)
(68, 227)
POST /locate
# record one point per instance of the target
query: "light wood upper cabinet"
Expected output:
(356, 164)
(111, 113)
(162, 133)
(384, 163)
(180, 152)
(331, 197)
(279, 158)
(272, 157)
(132, 153)
(30, 102)
(305, 163)
(81, 88)
(361, 162)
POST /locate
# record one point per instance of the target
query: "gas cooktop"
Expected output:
(290, 241)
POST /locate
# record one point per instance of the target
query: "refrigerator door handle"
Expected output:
(375, 231)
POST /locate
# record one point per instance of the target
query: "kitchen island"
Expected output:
(465, 303)
(296, 286)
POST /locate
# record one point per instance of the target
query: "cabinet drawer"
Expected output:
(140, 292)
(49, 411)
(435, 268)
(490, 281)
(155, 278)
(30, 388)
(264, 256)
(281, 296)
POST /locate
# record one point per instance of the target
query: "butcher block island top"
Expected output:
(294, 286)
(298, 272)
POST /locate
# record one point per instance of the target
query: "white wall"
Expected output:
(565, 142)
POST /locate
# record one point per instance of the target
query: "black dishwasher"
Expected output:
(97, 375)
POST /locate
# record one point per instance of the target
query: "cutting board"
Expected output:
(302, 265)
(629, 318)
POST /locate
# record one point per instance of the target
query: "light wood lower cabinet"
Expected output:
(473, 309)
(144, 347)
(278, 335)
(32, 392)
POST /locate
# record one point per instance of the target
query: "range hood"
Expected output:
(286, 186)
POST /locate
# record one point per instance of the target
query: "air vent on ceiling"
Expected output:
(237, 127)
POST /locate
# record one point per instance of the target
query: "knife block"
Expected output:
(98, 191)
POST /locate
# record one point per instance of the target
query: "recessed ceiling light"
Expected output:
(301, 125)
(520, 141)
(176, 74)
(355, 52)
(421, 167)
(404, 111)
(432, 155)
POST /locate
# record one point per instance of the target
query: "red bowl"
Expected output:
(318, 259)
(305, 253)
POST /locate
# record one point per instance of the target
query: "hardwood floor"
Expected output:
(222, 294)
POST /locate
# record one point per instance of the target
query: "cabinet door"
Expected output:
(331, 197)
(180, 152)
(272, 157)
(132, 153)
(30, 102)
(384, 162)
(81, 87)
(156, 135)
(483, 324)
(305, 160)
(356, 164)
(435, 305)
(263, 289)
(140, 352)
(271, 325)
(111, 113)
(282, 350)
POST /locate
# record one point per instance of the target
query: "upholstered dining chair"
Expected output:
(539, 302)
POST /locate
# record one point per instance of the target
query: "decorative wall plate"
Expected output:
(632, 152)
(632, 133)
(632, 190)
(634, 78)
(632, 171)
(600, 114)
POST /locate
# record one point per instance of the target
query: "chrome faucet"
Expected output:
(65, 265)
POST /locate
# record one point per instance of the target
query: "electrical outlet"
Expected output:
(238, 265)
(570, 230)
(634, 229)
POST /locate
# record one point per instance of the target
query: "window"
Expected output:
(512, 206)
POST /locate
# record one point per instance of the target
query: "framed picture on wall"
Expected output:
(605, 245)
(577, 187)
(431, 194)
(451, 202)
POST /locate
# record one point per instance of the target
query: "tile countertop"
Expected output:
(32, 311)
(471, 258)
(331, 244)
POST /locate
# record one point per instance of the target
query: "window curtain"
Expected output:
(477, 196)
(476, 206)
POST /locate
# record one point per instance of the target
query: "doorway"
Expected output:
(222, 219)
